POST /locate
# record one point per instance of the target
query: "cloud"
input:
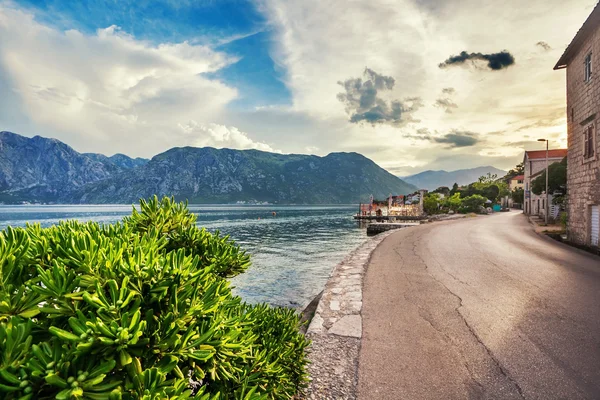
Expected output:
(313, 48)
(220, 136)
(496, 61)
(458, 139)
(102, 92)
(364, 102)
(448, 90)
(446, 104)
(544, 45)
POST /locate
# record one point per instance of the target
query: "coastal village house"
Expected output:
(514, 183)
(582, 61)
(534, 163)
(517, 182)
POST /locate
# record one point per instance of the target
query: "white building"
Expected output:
(534, 163)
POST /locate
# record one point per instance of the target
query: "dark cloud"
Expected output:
(446, 104)
(424, 132)
(544, 45)
(496, 61)
(448, 90)
(364, 104)
(421, 134)
(458, 139)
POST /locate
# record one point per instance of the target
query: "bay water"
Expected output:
(292, 251)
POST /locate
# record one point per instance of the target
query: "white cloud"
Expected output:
(220, 136)
(108, 92)
(320, 43)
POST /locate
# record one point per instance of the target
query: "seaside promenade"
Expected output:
(479, 308)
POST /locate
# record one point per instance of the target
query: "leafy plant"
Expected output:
(453, 202)
(431, 203)
(564, 219)
(472, 203)
(140, 309)
(518, 195)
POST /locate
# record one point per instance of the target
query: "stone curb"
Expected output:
(336, 328)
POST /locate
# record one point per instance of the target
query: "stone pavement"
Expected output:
(336, 328)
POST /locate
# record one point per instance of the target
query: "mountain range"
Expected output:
(49, 171)
(432, 180)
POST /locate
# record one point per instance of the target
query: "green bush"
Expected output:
(431, 204)
(140, 309)
(453, 202)
(518, 196)
(472, 203)
(564, 219)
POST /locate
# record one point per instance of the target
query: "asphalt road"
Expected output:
(480, 308)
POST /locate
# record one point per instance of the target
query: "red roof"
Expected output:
(519, 177)
(555, 153)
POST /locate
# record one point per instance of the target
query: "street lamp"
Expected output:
(546, 210)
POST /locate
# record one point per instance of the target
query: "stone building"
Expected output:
(534, 164)
(582, 60)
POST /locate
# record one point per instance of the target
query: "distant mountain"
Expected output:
(208, 175)
(118, 160)
(432, 180)
(47, 170)
(42, 169)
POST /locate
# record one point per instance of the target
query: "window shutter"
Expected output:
(588, 142)
(591, 141)
(585, 143)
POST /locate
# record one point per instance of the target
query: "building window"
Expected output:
(587, 65)
(572, 114)
(589, 148)
(519, 181)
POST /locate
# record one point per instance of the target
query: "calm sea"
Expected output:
(292, 252)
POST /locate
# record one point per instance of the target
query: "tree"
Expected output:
(442, 190)
(518, 195)
(431, 204)
(472, 203)
(469, 191)
(489, 186)
(491, 192)
(557, 179)
(453, 202)
(487, 179)
(454, 188)
(518, 170)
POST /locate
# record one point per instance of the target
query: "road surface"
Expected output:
(480, 308)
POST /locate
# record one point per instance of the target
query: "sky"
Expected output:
(411, 84)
